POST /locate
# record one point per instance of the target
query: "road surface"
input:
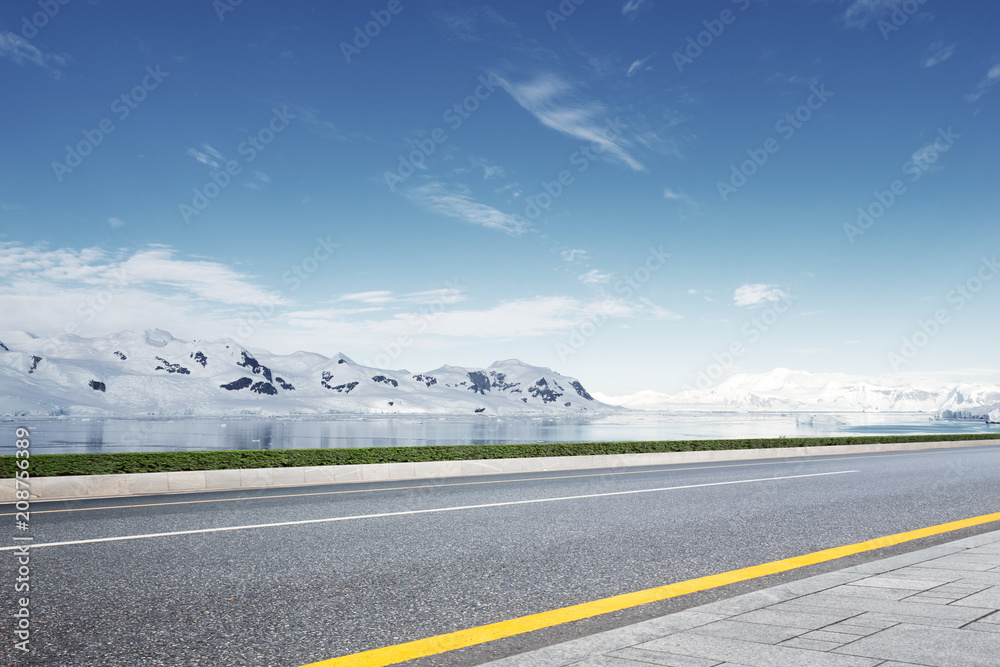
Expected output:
(287, 577)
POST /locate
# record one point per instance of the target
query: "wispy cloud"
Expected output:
(467, 23)
(449, 295)
(259, 177)
(457, 202)
(927, 157)
(21, 51)
(862, 12)
(681, 197)
(460, 24)
(630, 7)
(594, 277)
(658, 313)
(44, 289)
(573, 254)
(757, 293)
(312, 118)
(490, 170)
(937, 53)
(991, 79)
(637, 66)
(207, 156)
(116, 222)
(550, 99)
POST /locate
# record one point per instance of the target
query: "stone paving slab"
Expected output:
(937, 607)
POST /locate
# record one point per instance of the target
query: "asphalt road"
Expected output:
(288, 595)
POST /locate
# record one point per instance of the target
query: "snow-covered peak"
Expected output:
(16, 337)
(159, 337)
(789, 390)
(155, 373)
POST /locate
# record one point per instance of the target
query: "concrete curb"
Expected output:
(104, 486)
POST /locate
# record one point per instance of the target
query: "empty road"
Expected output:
(288, 577)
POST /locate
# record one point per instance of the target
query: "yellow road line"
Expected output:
(391, 655)
(675, 467)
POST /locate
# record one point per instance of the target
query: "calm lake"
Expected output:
(76, 435)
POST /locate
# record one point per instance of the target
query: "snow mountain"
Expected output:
(153, 373)
(783, 390)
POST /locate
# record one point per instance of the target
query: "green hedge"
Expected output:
(54, 465)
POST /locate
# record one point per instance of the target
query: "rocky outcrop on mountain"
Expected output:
(236, 385)
(258, 369)
(171, 368)
(384, 380)
(541, 389)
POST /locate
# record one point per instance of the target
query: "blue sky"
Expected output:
(636, 193)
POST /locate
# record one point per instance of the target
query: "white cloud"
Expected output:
(374, 296)
(991, 79)
(21, 51)
(658, 313)
(863, 12)
(42, 290)
(457, 202)
(636, 66)
(572, 254)
(313, 119)
(208, 157)
(631, 7)
(756, 294)
(937, 53)
(490, 170)
(115, 222)
(447, 295)
(461, 25)
(926, 157)
(546, 98)
(594, 277)
(515, 319)
(677, 195)
(682, 197)
(260, 177)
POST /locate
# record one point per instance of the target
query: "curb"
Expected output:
(73, 487)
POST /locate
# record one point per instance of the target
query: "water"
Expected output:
(76, 435)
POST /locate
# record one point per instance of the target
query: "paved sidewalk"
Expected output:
(937, 607)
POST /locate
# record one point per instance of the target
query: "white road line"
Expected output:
(428, 511)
